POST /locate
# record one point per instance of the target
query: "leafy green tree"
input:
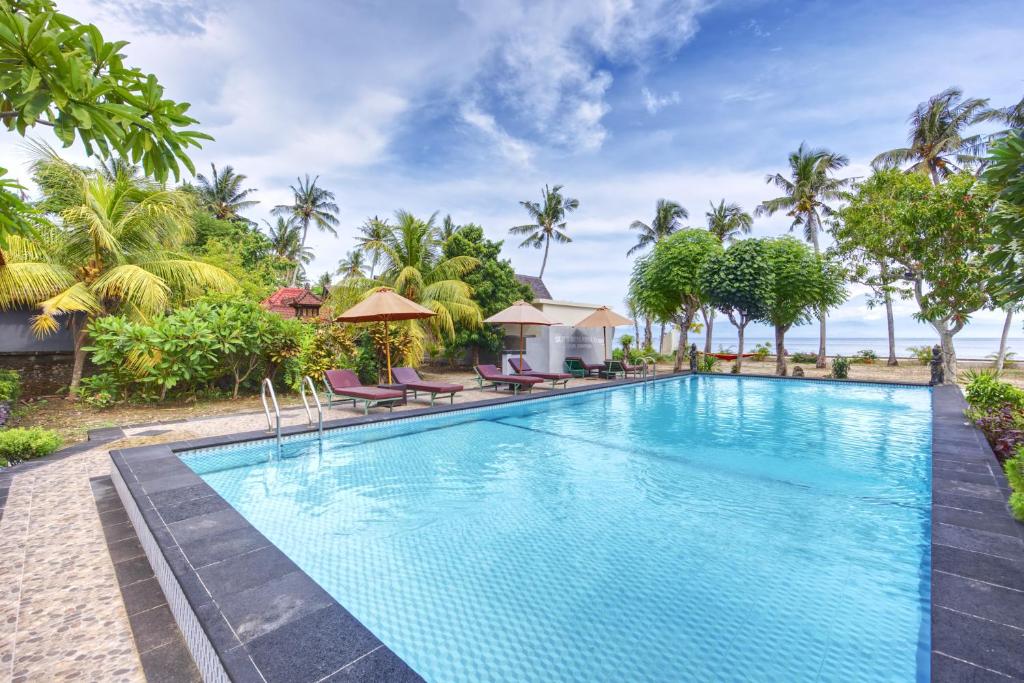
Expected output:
(938, 238)
(241, 250)
(548, 221)
(738, 281)
(58, 72)
(805, 199)
(311, 205)
(666, 283)
(728, 221)
(493, 283)
(117, 249)
(802, 283)
(937, 146)
(222, 194)
(323, 284)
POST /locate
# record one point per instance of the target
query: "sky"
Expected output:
(467, 107)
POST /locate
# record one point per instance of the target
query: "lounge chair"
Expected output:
(556, 378)
(490, 376)
(578, 367)
(628, 369)
(345, 384)
(412, 381)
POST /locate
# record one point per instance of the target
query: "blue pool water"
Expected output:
(700, 529)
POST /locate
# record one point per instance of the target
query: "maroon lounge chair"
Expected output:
(412, 381)
(491, 374)
(345, 384)
(556, 378)
(579, 365)
(630, 369)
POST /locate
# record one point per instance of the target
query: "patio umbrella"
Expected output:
(384, 305)
(604, 317)
(520, 313)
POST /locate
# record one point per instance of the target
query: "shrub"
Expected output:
(840, 367)
(10, 386)
(801, 357)
(1014, 468)
(866, 356)
(762, 351)
(1003, 427)
(26, 443)
(707, 363)
(986, 392)
(923, 354)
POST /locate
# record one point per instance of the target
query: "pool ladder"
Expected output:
(307, 382)
(648, 361)
(267, 389)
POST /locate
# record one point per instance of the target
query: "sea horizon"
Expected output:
(967, 348)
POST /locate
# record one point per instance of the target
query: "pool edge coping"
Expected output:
(948, 423)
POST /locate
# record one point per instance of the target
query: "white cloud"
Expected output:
(655, 103)
(513, 149)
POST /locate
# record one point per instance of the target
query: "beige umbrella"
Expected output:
(604, 317)
(384, 305)
(520, 313)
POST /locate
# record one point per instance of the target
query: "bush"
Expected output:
(923, 354)
(840, 367)
(801, 357)
(762, 351)
(1003, 427)
(707, 363)
(986, 392)
(10, 386)
(1014, 468)
(24, 444)
(866, 356)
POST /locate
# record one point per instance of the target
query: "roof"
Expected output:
(540, 290)
(285, 300)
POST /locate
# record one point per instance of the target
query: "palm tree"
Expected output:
(286, 241)
(667, 215)
(728, 221)
(548, 221)
(937, 145)
(115, 248)
(352, 266)
(448, 228)
(312, 205)
(415, 267)
(222, 195)
(805, 198)
(371, 237)
(323, 284)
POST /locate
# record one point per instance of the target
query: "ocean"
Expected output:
(967, 348)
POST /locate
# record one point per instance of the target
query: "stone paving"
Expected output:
(62, 616)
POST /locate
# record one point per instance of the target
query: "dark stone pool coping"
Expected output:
(249, 613)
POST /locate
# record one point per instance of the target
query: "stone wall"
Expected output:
(42, 374)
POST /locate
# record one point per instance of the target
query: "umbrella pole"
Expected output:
(387, 350)
(521, 342)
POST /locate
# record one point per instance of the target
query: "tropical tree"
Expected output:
(936, 145)
(286, 242)
(222, 195)
(323, 284)
(370, 238)
(311, 205)
(666, 283)
(738, 281)
(937, 237)
(115, 249)
(352, 266)
(447, 228)
(416, 268)
(548, 221)
(58, 72)
(728, 221)
(806, 196)
(802, 283)
(1012, 116)
(667, 217)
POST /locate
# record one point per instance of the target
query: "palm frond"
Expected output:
(75, 299)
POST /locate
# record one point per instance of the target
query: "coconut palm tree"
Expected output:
(115, 247)
(286, 242)
(370, 238)
(667, 215)
(806, 194)
(937, 145)
(222, 195)
(415, 267)
(728, 221)
(548, 221)
(323, 284)
(352, 266)
(448, 228)
(312, 205)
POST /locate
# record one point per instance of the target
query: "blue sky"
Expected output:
(469, 107)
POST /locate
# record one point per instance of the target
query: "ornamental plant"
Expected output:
(19, 444)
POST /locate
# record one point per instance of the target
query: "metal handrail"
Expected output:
(648, 360)
(308, 381)
(268, 386)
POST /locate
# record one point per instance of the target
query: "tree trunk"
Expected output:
(891, 328)
(648, 325)
(820, 363)
(780, 351)
(636, 328)
(1001, 357)
(661, 338)
(739, 344)
(709, 327)
(948, 356)
(79, 366)
(544, 263)
(684, 329)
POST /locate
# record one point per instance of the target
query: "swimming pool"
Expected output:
(700, 528)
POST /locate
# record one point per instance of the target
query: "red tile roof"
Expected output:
(286, 300)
